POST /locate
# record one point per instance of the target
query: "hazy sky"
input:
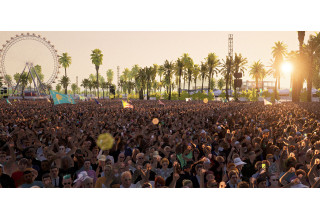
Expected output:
(126, 49)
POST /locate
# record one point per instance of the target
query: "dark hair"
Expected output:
(243, 184)
(46, 175)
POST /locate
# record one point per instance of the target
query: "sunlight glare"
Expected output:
(287, 68)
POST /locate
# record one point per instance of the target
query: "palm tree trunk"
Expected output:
(170, 90)
(195, 84)
(97, 69)
(103, 93)
(227, 94)
(209, 78)
(147, 90)
(189, 86)
(179, 84)
(65, 71)
(202, 84)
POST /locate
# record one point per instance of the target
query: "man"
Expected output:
(107, 180)
(29, 179)
(46, 181)
(101, 164)
(17, 176)
(90, 172)
(233, 179)
(56, 179)
(67, 181)
(126, 180)
(5, 180)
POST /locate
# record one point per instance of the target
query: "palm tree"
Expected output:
(239, 66)
(226, 70)
(196, 73)
(178, 69)
(213, 63)
(58, 87)
(256, 71)
(298, 82)
(104, 85)
(140, 81)
(168, 67)
(91, 85)
(96, 58)
(65, 81)
(110, 74)
(204, 73)
(160, 73)
(148, 71)
(85, 84)
(8, 80)
(24, 82)
(221, 83)
(312, 52)
(65, 61)
(279, 50)
(74, 88)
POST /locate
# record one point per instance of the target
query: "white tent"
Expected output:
(284, 92)
(217, 92)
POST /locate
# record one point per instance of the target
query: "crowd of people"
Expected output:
(191, 145)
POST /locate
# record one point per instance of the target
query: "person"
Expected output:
(108, 179)
(47, 181)
(29, 179)
(5, 180)
(17, 176)
(126, 180)
(55, 178)
(233, 179)
(67, 181)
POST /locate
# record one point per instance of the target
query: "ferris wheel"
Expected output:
(10, 58)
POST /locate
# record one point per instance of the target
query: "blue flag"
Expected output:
(59, 98)
(97, 102)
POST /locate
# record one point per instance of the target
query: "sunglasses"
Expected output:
(274, 180)
(66, 184)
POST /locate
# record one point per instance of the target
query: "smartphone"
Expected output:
(264, 166)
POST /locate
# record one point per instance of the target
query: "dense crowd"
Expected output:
(191, 145)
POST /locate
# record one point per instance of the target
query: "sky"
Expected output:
(145, 48)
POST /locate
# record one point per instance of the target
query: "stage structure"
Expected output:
(38, 85)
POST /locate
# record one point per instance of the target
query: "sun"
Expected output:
(286, 68)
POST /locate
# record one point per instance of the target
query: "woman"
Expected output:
(164, 172)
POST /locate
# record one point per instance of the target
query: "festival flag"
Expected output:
(161, 103)
(277, 101)
(266, 102)
(260, 91)
(81, 97)
(48, 100)
(8, 102)
(126, 104)
(98, 102)
(59, 98)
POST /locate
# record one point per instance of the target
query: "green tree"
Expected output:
(226, 70)
(65, 81)
(140, 81)
(96, 58)
(312, 53)
(297, 76)
(256, 71)
(196, 73)
(279, 50)
(213, 64)
(204, 73)
(65, 61)
(179, 65)
(110, 74)
(221, 83)
(168, 69)
(85, 85)
(74, 88)
(23, 82)
(58, 87)
(8, 80)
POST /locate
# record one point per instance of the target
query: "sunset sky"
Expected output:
(126, 49)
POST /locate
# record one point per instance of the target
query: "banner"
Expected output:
(59, 98)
